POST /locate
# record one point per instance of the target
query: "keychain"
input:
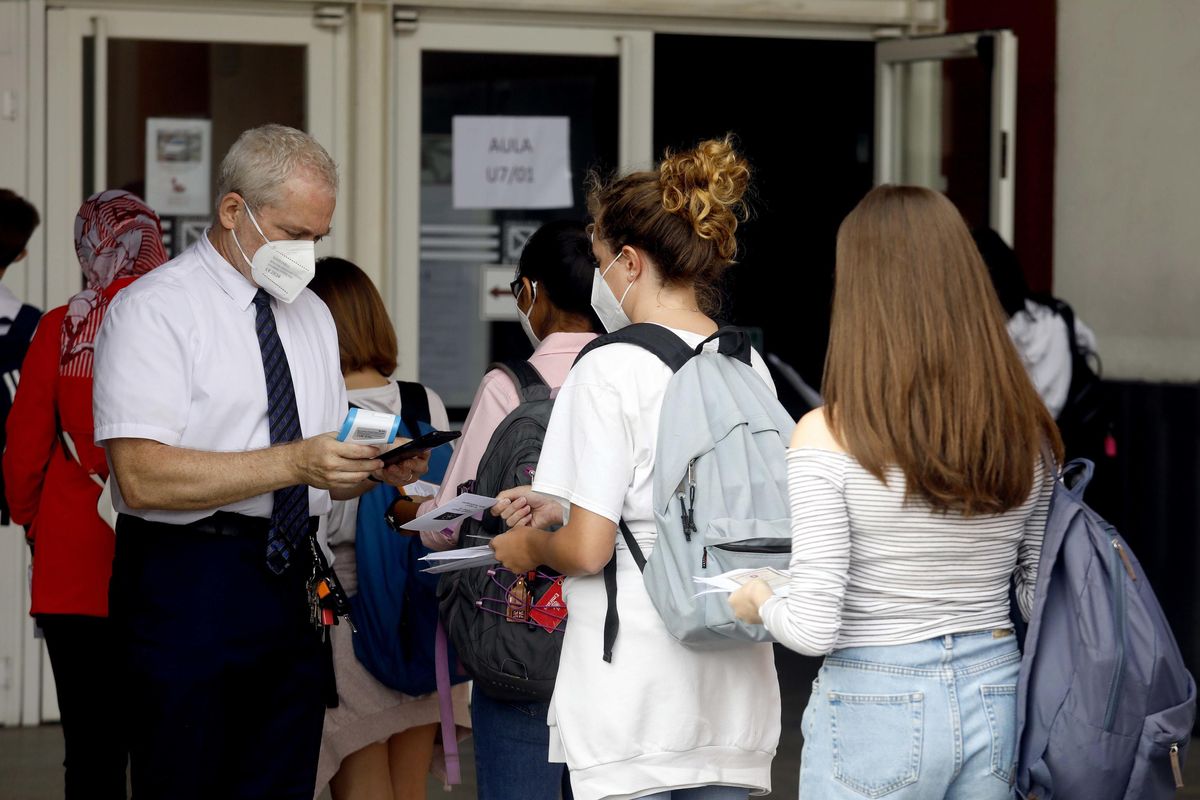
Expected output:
(518, 601)
(326, 599)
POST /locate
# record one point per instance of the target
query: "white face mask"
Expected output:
(524, 315)
(282, 268)
(606, 305)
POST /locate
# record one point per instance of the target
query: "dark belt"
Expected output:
(222, 523)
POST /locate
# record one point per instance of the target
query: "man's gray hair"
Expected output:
(264, 158)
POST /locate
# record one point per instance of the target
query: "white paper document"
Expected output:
(463, 558)
(178, 154)
(737, 578)
(465, 505)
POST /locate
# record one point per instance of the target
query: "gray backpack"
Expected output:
(1105, 705)
(720, 486)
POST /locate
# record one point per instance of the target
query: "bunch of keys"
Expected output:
(326, 599)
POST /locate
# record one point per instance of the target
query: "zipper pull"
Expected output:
(684, 517)
(704, 559)
(1176, 770)
(1124, 558)
(691, 520)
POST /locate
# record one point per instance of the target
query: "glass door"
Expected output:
(149, 101)
(946, 119)
(497, 129)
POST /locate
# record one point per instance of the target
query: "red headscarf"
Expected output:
(116, 236)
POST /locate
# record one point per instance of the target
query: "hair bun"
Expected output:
(706, 185)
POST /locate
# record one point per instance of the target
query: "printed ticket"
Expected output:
(465, 505)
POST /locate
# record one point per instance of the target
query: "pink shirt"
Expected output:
(494, 400)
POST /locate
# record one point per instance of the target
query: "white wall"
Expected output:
(22, 102)
(1127, 198)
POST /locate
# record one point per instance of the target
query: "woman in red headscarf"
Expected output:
(53, 473)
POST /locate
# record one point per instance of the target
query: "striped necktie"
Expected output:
(289, 512)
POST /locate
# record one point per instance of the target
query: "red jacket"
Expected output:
(48, 491)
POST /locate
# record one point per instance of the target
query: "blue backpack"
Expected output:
(1105, 705)
(395, 610)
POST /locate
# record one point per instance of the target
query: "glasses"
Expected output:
(590, 230)
(515, 287)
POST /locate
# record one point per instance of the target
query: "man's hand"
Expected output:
(521, 506)
(748, 599)
(324, 462)
(402, 473)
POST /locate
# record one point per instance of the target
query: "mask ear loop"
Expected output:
(250, 214)
(532, 300)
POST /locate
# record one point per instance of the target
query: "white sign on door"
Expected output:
(512, 162)
(495, 296)
(178, 154)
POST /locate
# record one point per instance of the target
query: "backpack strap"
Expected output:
(15, 342)
(25, 324)
(1064, 310)
(414, 406)
(612, 621)
(441, 660)
(672, 350)
(733, 341)
(531, 386)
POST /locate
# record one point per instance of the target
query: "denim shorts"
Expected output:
(933, 719)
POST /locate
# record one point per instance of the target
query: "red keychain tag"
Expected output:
(550, 611)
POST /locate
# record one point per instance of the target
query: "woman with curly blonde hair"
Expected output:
(660, 719)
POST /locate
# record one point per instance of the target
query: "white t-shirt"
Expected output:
(178, 362)
(1040, 336)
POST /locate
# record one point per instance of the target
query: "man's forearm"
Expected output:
(351, 492)
(154, 475)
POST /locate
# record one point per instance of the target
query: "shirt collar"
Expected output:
(236, 285)
(562, 342)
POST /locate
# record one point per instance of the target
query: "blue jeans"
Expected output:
(512, 744)
(934, 719)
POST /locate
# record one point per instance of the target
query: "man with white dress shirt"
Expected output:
(217, 388)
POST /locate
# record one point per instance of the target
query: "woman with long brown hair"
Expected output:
(918, 492)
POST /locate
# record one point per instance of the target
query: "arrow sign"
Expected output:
(495, 298)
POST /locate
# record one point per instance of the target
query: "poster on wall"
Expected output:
(512, 162)
(178, 166)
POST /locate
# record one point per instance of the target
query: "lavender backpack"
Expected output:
(1105, 705)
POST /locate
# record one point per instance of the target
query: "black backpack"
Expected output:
(13, 346)
(507, 628)
(1085, 421)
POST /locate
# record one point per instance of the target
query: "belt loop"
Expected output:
(948, 641)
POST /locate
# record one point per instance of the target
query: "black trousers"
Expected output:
(225, 678)
(83, 657)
